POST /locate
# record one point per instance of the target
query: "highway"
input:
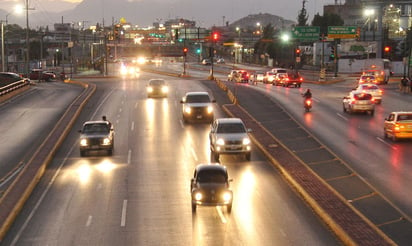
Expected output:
(140, 195)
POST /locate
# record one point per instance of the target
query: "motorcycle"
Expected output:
(308, 104)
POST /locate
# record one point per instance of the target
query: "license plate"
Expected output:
(199, 116)
(95, 146)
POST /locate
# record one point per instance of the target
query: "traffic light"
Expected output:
(116, 31)
(297, 52)
(185, 51)
(332, 52)
(198, 51)
(215, 36)
(387, 49)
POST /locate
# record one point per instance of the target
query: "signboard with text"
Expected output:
(342, 31)
(306, 32)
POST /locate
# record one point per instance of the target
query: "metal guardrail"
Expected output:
(13, 86)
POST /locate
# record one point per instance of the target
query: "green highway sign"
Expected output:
(306, 32)
(342, 31)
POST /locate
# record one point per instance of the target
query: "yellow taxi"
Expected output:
(398, 125)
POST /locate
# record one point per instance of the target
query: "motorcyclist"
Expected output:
(307, 94)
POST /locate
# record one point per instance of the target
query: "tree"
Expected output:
(303, 16)
(328, 19)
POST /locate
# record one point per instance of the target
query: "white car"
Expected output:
(229, 136)
(359, 102)
(372, 89)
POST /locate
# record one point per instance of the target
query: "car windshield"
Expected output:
(197, 99)
(367, 78)
(404, 117)
(157, 82)
(281, 71)
(96, 128)
(369, 87)
(211, 176)
(231, 128)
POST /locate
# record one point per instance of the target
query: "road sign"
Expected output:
(342, 31)
(306, 32)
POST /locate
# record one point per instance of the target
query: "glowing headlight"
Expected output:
(220, 141)
(165, 89)
(149, 89)
(227, 196)
(209, 109)
(246, 141)
(198, 196)
(106, 141)
(83, 142)
(188, 110)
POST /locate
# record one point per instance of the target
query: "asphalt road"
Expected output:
(140, 195)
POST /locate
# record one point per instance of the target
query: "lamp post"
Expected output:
(3, 60)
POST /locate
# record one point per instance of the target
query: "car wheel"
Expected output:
(344, 109)
(229, 208)
(248, 156)
(193, 207)
(372, 112)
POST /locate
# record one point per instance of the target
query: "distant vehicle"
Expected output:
(238, 76)
(206, 62)
(380, 68)
(197, 107)
(359, 102)
(157, 88)
(229, 136)
(292, 78)
(257, 77)
(96, 136)
(8, 78)
(367, 79)
(280, 79)
(398, 125)
(220, 61)
(210, 186)
(38, 74)
(269, 77)
(372, 89)
(278, 70)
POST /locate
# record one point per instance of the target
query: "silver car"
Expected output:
(358, 101)
(229, 136)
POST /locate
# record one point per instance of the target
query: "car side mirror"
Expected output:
(249, 130)
(214, 100)
(181, 101)
(230, 180)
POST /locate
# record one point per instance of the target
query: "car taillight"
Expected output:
(301, 79)
(397, 128)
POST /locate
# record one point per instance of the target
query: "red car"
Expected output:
(38, 74)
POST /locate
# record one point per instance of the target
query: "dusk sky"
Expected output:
(208, 12)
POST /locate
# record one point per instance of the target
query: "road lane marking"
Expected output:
(221, 215)
(132, 127)
(343, 117)
(124, 210)
(386, 143)
(193, 154)
(89, 221)
(129, 156)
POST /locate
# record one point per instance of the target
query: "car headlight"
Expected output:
(150, 89)
(246, 141)
(106, 141)
(209, 109)
(165, 89)
(220, 141)
(83, 142)
(227, 196)
(198, 196)
(187, 110)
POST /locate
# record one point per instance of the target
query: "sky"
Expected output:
(205, 12)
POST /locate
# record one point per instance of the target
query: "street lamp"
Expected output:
(26, 9)
(3, 60)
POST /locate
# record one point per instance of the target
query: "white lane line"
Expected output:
(343, 117)
(129, 156)
(221, 215)
(132, 127)
(89, 221)
(193, 154)
(124, 210)
(388, 144)
(135, 105)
